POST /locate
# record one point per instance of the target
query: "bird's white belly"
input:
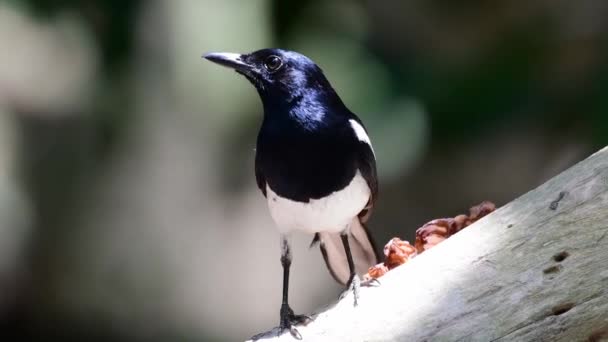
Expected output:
(329, 214)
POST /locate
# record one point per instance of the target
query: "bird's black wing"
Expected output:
(259, 176)
(367, 167)
(364, 251)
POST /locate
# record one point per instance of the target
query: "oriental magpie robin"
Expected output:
(314, 164)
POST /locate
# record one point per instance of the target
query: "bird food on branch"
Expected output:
(397, 252)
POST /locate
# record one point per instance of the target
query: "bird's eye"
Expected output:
(273, 63)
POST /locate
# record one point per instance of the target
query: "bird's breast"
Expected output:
(331, 213)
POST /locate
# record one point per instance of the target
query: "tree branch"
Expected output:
(534, 270)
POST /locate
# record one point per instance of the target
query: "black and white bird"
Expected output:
(314, 164)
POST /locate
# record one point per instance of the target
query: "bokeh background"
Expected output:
(128, 207)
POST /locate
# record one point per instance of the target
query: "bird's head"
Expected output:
(280, 76)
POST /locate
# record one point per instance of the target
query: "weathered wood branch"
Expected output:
(534, 270)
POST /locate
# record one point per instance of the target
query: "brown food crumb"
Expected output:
(377, 271)
(480, 210)
(398, 252)
(435, 231)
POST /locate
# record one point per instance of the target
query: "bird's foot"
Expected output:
(289, 320)
(354, 286)
(372, 282)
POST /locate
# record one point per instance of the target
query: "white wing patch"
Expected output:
(361, 135)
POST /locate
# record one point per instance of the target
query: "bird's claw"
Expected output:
(354, 286)
(289, 320)
(372, 282)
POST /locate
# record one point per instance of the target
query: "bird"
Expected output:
(314, 164)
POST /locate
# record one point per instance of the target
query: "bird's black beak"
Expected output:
(230, 60)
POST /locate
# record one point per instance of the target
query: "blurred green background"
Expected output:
(128, 207)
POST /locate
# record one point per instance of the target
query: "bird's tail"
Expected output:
(362, 247)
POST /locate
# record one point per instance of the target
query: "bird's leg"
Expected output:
(354, 282)
(288, 318)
